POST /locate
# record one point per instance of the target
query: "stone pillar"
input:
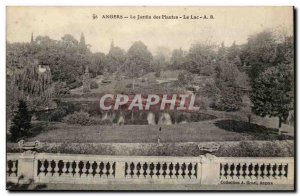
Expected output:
(210, 169)
(291, 171)
(26, 167)
(120, 170)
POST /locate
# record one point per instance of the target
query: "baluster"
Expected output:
(140, 169)
(64, 169)
(221, 171)
(238, 170)
(84, 169)
(247, 171)
(285, 170)
(195, 168)
(7, 166)
(108, 170)
(256, 169)
(42, 168)
(259, 170)
(77, 169)
(167, 171)
(104, 170)
(266, 171)
(56, 168)
(225, 168)
(270, 171)
(280, 170)
(135, 164)
(14, 168)
(276, 172)
(229, 170)
(154, 170)
(97, 174)
(148, 170)
(173, 170)
(90, 169)
(253, 172)
(234, 171)
(159, 170)
(144, 170)
(113, 169)
(184, 170)
(262, 169)
(127, 170)
(190, 170)
(180, 171)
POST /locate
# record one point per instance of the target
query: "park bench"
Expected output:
(208, 147)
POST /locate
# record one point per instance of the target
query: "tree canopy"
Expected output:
(272, 92)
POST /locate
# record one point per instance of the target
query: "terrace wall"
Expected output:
(28, 167)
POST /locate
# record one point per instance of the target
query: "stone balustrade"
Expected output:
(275, 170)
(99, 169)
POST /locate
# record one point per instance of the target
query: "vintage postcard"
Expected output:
(150, 98)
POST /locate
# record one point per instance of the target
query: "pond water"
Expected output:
(153, 118)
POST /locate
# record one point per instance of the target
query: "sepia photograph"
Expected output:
(150, 98)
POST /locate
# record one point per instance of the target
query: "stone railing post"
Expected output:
(291, 171)
(120, 170)
(210, 169)
(26, 167)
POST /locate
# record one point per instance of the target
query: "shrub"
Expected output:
(81, 118)
(84, 119)
(204, 103)
(106, 122)
(229, 100)
(75, 84)
(136, 85)
(58, 114)
(62, 110)
(184, 78)
(94, 85)
(256, 149)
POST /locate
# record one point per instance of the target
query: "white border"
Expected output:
(5, 3)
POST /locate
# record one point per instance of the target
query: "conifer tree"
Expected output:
(21, 122)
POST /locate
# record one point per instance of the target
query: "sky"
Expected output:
(229, 24)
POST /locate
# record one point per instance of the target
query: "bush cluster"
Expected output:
(255, 149)
(94, 85)
(84, 119)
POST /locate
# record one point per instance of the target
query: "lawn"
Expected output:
(204, 131)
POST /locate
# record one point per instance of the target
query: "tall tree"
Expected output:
(138, 61)
(115, 59)
(227, 95)
(201, 59)
(260, 52)
(177, 59)
(233, 55)
(21, 122)
(272, 92)
(82, 46)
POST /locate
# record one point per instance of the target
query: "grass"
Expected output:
(236, 138)
(204, 131)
